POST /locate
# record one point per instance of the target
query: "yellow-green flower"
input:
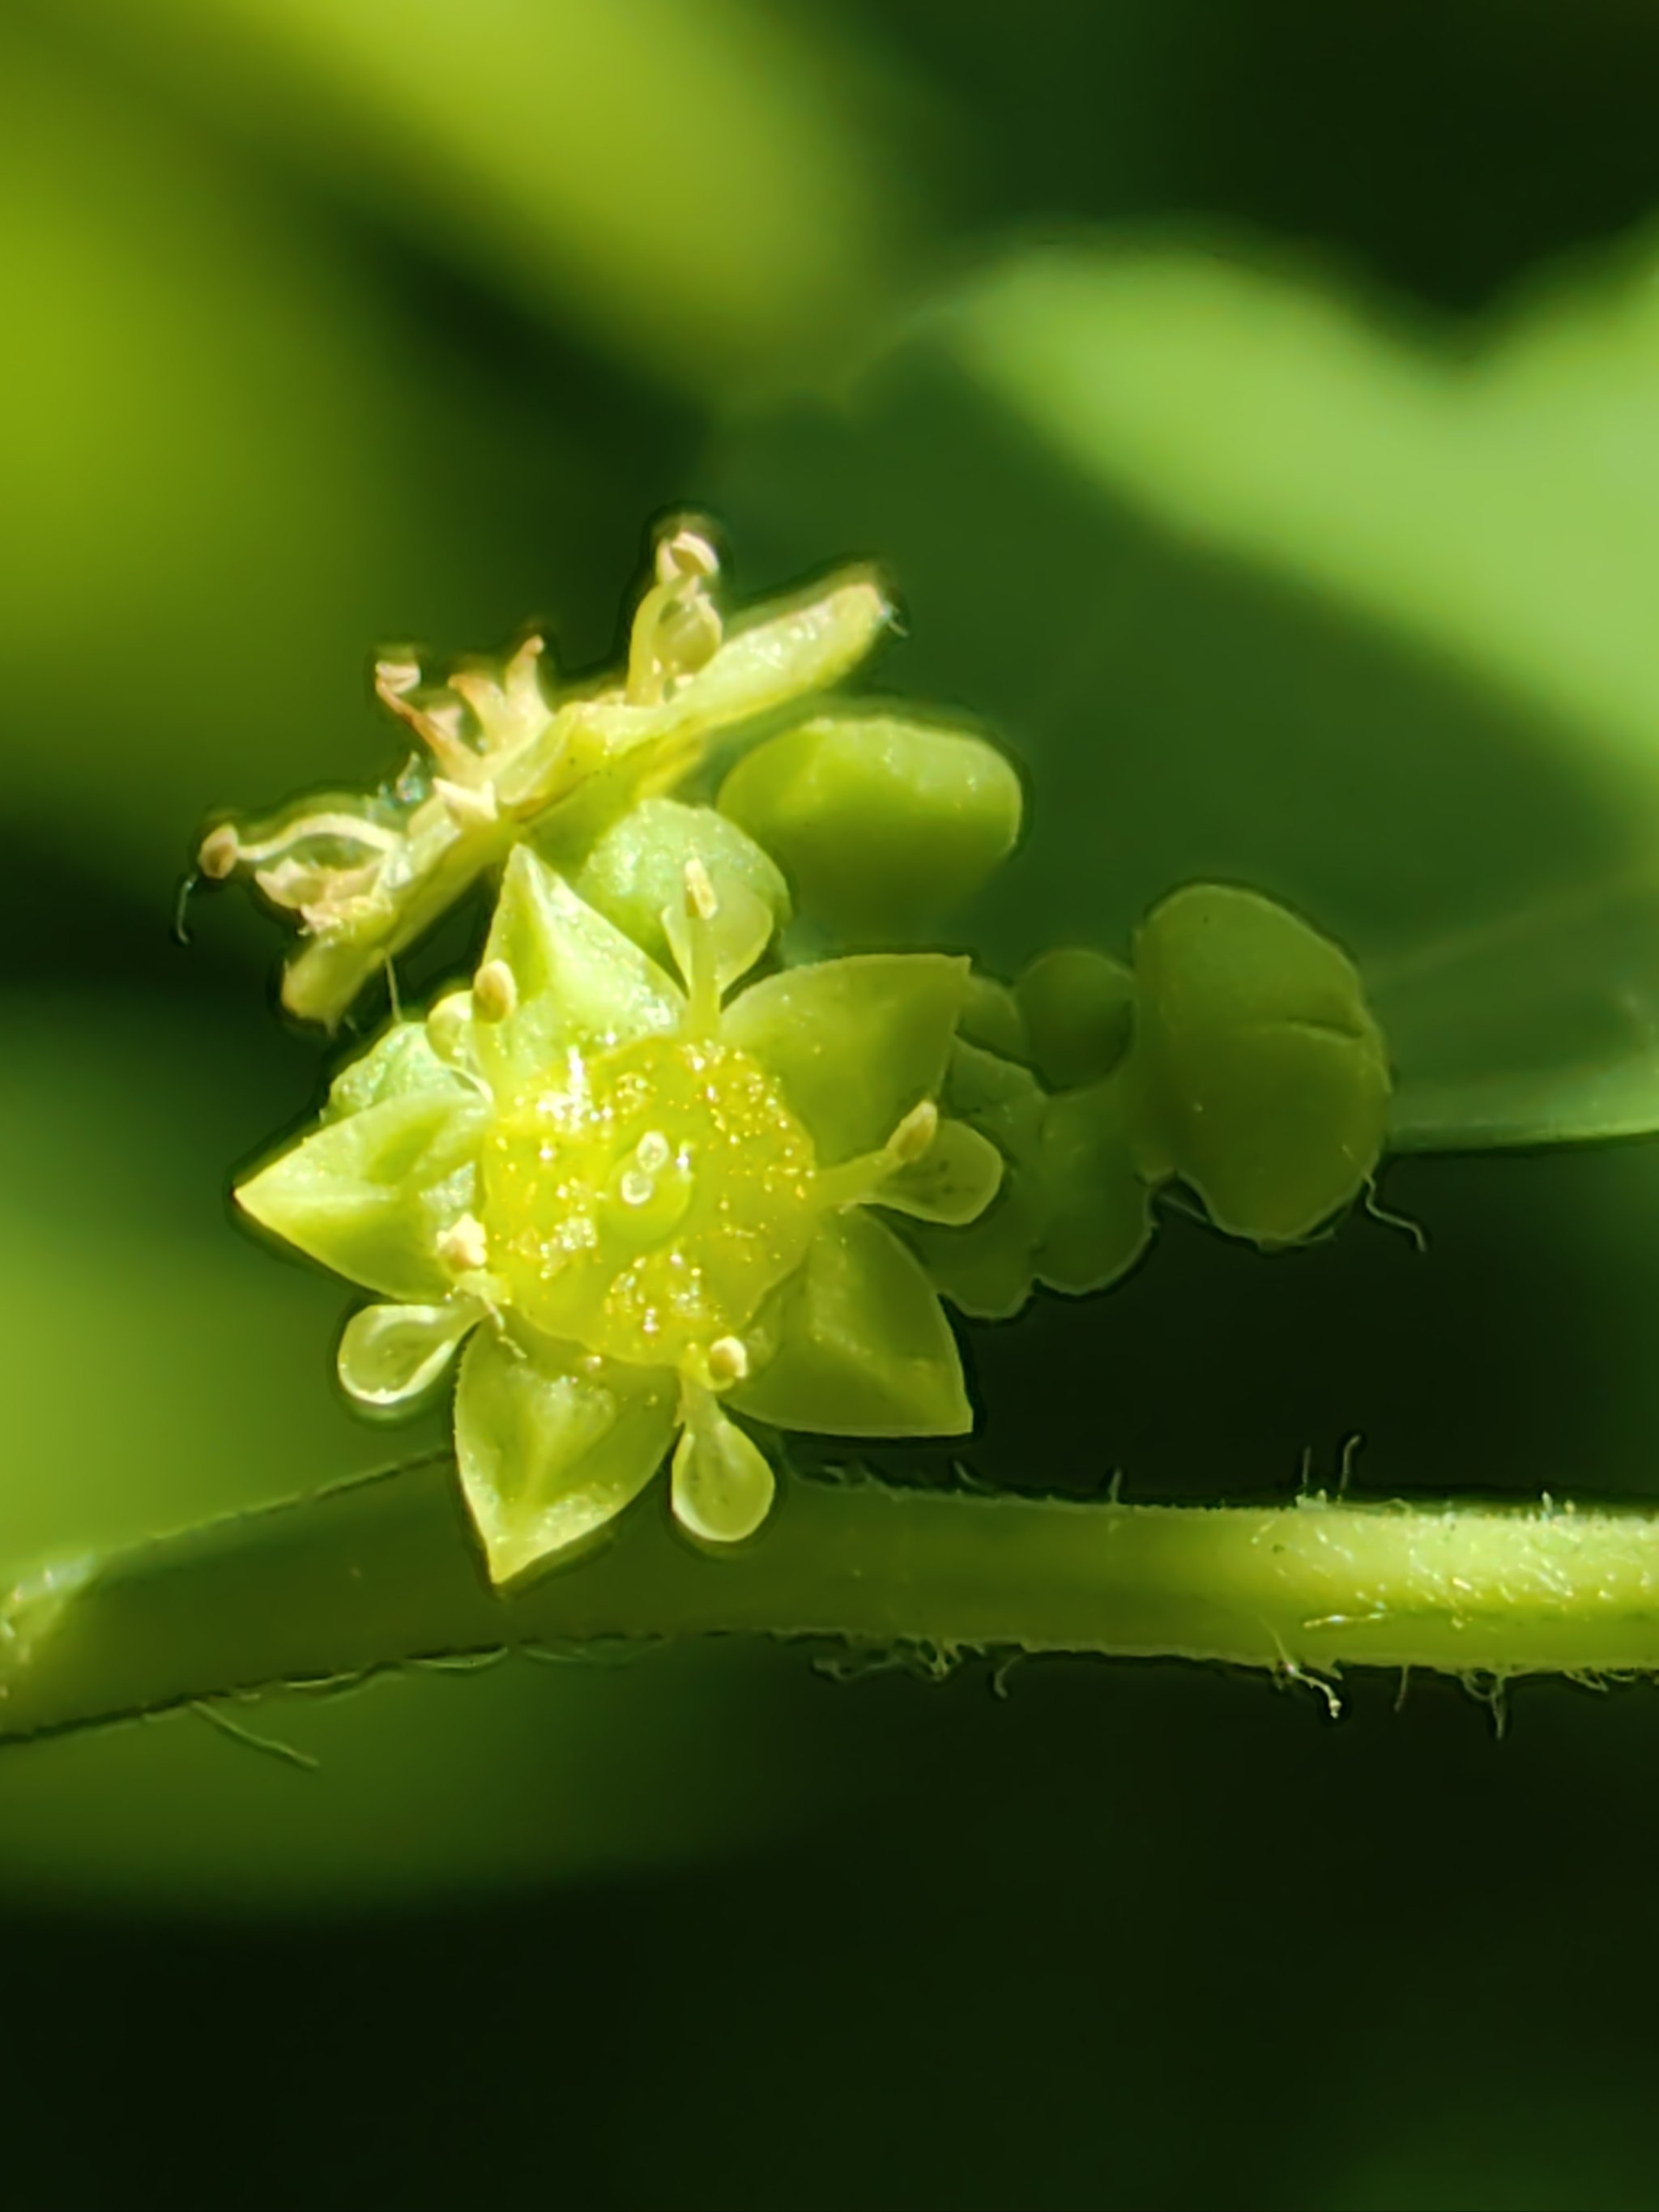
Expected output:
(647, 1208)
(505, 748)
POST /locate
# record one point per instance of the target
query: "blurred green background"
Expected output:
(1258, 408)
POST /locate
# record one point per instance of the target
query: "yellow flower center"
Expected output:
(643, 1201)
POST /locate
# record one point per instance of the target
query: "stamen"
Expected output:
(689, 635)
(652, 1151)
(857, 1181)
(464, 1247)
(446, 1028)
(700, 899)
(466, 809)
(438, 728)
(522, 679)
(349, 829)
(522, 667)
(644, 675)
(701, 976)
(683, 554)
(495, 992)
(677, 628)
(728, 1361)
(393, 678)
(914, 1134)
(221, 852)
(481, 692)
(312, 890)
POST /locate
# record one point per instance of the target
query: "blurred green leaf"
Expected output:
(233, 459)
(1539, 1027)
(1494, 499)
(709, 188)
(1262, 595)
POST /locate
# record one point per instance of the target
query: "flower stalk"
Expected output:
(381, 1572)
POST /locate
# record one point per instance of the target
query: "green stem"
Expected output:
(380, 1572)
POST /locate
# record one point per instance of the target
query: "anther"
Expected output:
(728, 1361)
(393, 678)
(914, 1134)
(220, 851)
(699, 900)
(651, 1151)
(495, 992)
(464, 1247)
(446, 1028)
(683, 554)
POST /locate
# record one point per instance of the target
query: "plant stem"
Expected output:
(380, 1570)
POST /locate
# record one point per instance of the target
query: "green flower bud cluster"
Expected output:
(1237, 1056)
(661, 1186)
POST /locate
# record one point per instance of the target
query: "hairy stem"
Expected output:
(381, 1570)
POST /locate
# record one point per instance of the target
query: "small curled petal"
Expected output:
(721, 1486)
(390, 1354)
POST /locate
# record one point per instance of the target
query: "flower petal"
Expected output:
(855, 1043)
(369, 1196)
(987, 1269)
(638, 867)
(742, 924)
(1078, 1010)
(390, 1354)
(401, 1061)
(722, 1486)
(1073, 1209)
(553, 1444)
(1261, 1076)
(580, 982)
(954, 1181)
(855, 1344)
(1100, 1218)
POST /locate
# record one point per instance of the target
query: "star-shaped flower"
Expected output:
(645, 1207)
